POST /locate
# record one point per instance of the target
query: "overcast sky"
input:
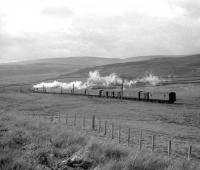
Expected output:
(33, 29)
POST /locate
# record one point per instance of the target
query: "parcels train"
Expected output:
(128, 94)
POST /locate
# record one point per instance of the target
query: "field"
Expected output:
(29, 139)
(179, 122)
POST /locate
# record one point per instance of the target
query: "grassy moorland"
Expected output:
(38, 70)
(181, 67)
(178, 68)
(37, 144)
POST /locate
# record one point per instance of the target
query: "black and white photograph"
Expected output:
(99, 84)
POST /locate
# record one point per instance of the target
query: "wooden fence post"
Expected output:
(66, 119)
(169, 147)
(93, 122)
(129, 136)
(140, 144)
(75, 119)
(153, 142)
(59, 116)
(105, 128)
(141, 134)
(52, 117)
(119, 134)
(84, 121)
(99, 125)
(112, 133)
(189, 152)
(50, 139)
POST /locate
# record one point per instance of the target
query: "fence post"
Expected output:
(52, 117)
(105, 128)
(99, 125)
(93, 122)
(152, 142)
(59, 116)
(141, 134)
(66, 119)
(75, 119)
(50, 139)
(119, 134)
(189, 152)
(169, 147)
(140, 144)
(84, 121)
(129, 136)
(112, 135)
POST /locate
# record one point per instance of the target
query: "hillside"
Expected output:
(78, 61)
(144, 58)
(61, 68)
(37, 70)
(179, 67)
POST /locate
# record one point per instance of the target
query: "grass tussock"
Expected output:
(26, 145)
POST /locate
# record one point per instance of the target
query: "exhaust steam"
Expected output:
(96, 80)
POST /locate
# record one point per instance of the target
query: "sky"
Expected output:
(34, 29)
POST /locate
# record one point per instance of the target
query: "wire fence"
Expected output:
(123, 134)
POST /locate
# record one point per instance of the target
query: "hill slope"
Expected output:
(179, 67)
(61, 68)
(37, 70)
(79, 61)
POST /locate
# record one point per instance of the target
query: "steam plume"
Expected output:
(96, 80)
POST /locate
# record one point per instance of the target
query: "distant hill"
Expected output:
(144, 58)
(78, 61)
(177, 67)
(38, 70)
(130, 68)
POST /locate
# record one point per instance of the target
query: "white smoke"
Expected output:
(57, 84)
(96, 80)
(150, 79)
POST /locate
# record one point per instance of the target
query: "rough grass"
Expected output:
(34, 145)
(29, 145)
